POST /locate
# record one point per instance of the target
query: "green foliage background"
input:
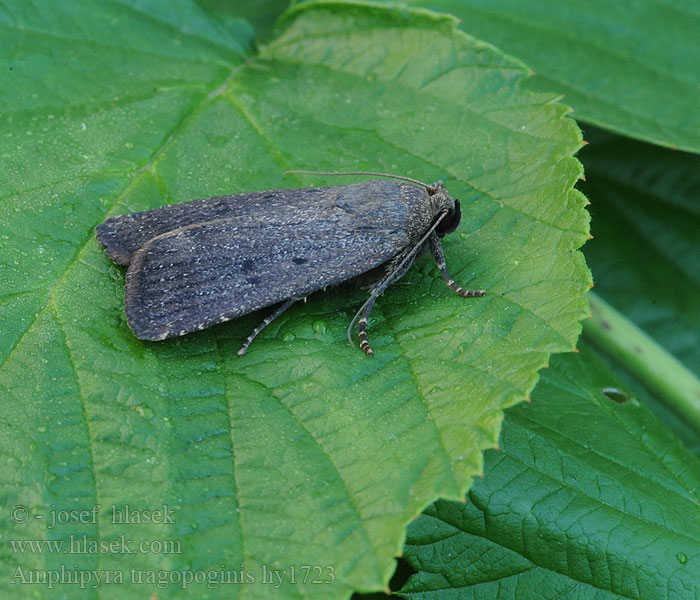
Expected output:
(304, 453)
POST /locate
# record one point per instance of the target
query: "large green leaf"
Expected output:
(646, 251)
(632, 67)
(590, 497)
(303, 452)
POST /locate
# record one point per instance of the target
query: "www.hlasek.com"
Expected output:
(83, 544)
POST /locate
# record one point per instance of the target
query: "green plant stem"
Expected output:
(656, 368)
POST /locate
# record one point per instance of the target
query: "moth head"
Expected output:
(450, 221)
(446, 207)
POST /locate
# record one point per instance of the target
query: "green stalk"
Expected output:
(656, 368)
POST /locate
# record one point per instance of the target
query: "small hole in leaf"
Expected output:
(615, 395)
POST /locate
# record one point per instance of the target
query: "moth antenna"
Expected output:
(425, 185)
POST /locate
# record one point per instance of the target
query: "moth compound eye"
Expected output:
(450, 221)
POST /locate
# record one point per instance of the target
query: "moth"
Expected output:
(194, 264)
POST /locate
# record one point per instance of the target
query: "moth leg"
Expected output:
(392, 275)
(362, 325)
(439, 256)
(266, 321)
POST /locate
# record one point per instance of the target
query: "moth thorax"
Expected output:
(440, 199)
